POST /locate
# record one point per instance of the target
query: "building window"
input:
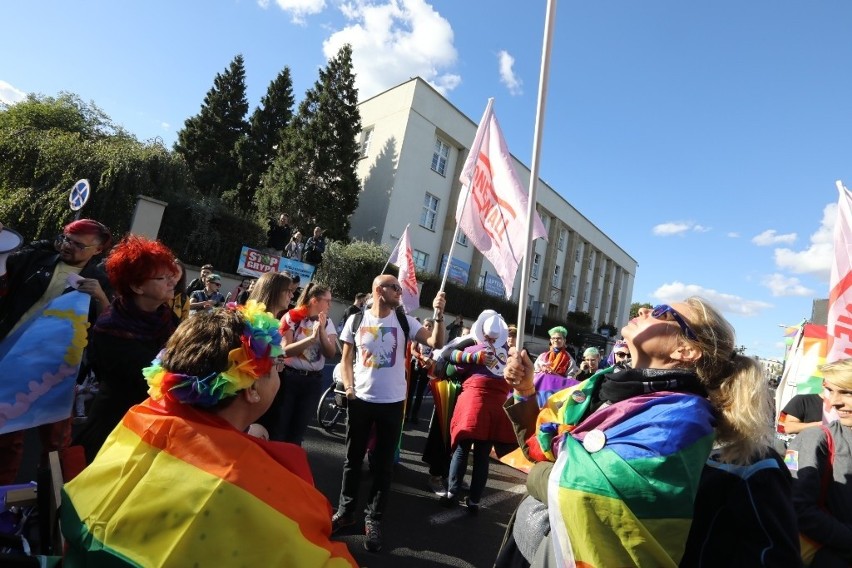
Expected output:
(439, 158)
(430, 212)
(577, 255)
(421, 259)
(561, 242)
(481, 283)
(536, 264)
(573, 284)
(555, 281)
(366, 138)
(462, 240)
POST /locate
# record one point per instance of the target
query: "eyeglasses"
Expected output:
(75, 244)
(394, 287)
(667, 313)
(621, 354)
(558, 338)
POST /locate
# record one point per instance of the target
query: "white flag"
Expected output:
(840, 292)
(402, 257)
(494, 217)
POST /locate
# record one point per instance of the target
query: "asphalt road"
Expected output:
(417, 530)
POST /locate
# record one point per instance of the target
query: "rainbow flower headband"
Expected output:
(260, 345)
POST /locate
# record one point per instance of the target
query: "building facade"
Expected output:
(414, 143)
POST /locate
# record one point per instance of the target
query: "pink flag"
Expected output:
(840, 295)
(402, 257)
(495, 215)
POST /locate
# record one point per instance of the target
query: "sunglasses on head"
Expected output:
(665, 312)
(394, 287)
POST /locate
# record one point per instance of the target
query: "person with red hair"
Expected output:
(130, 333)
(37, 274)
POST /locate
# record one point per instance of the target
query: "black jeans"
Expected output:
(416, 389)
(363, 415)
(294, 404)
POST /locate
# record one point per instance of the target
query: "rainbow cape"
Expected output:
(175, 486)
(627, 501)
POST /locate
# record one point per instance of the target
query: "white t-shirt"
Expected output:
(311, 359)
(379, 356)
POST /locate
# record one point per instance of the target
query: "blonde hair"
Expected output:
(735, 385)
(838, 372)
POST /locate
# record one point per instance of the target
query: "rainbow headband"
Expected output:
(260, 345)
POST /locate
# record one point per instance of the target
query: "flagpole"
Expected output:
(475, 151)
(390, 256)
(549, 21)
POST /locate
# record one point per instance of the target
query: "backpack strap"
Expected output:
(828, 472)
(402, 318)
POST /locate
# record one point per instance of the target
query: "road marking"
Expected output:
(493, 499)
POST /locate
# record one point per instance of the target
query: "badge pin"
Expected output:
(594, 441)
(578, 396)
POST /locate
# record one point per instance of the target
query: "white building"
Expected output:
(414, 143)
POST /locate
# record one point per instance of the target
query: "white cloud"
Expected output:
(507, 73)
(780, 285)
(678, 228)
(10, 95)
(771, 237)
(817, 258)
(734, 235)
(728, 303)
(395, 41)
(297, 9)
(165, 125)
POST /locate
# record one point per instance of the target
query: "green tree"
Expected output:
(47, 143)
(257, 150)
(313, 177)
(208, 140)
(634, 308)
(580, 320)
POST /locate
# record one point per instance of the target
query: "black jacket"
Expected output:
(28, 273)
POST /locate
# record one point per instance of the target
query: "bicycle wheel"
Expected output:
(329, 414)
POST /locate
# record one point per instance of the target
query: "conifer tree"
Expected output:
(208, 141)
(313, 177)
(266, 130)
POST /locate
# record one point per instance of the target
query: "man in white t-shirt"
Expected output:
(376, 391)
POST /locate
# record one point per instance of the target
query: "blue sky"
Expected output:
(703, 137)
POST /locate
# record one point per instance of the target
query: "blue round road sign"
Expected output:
(79, 195)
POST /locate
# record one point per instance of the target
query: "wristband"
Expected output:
(349, 388)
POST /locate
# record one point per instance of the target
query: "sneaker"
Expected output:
(373, 530)
(449, 500)
(436, 485)
(340, 521)
(472, 506)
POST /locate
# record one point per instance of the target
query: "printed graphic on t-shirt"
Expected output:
(377, 346)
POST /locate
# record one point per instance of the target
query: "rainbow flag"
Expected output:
(801, 367)
(444, 393)
(40, 363)
(623, 486)
(175, 486)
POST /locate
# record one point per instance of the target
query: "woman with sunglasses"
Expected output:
(620, 455)
(130, 333)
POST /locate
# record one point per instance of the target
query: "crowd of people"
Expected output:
(658, 453)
